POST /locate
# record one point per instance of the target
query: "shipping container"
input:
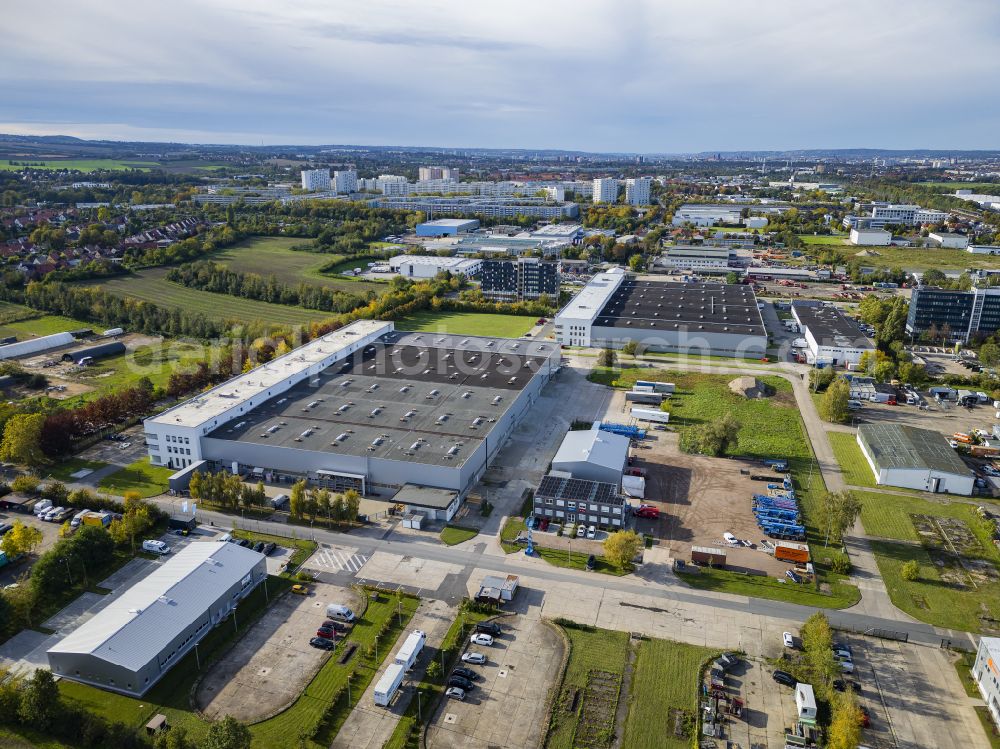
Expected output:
(707, 555)
(649, 414)
(791, 552)
(654, 399)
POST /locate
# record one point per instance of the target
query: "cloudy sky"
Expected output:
(624, 75)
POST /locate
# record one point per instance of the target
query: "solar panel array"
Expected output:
(579, 490)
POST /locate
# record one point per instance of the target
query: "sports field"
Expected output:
(467, 323)
(80, 165)
(274, 256)
(152, 286)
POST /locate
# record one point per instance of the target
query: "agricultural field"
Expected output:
(958, 584)
(80, 165)
(663, 693)
(274, 256)
(152, 286)
(467, 323)
(584, 712)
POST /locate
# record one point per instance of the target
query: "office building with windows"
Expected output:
(952, 313)
(572, 500)
(523, 279)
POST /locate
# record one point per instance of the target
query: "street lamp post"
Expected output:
(420, 718)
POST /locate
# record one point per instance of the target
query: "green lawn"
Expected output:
(171, 696)
(920, 258)
(578, 561)
(65, 468)
(956, 603)
(989, 188)
(41, 325)
(274, 256)
(151, 285)
(80, 165)
(509, 532)
(456, 534)
(837, 240)
(841, 596)
(140, 476)
(467, 323)
(303, 546)
(591, 649)
(666, 679)
(853, 465)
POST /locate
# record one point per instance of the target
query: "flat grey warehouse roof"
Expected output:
(830, 326)
(896, 446)
(666, 305)
(420, 397)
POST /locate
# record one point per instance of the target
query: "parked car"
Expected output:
(591, 562)
(465, 673)
(258, 547)
(840, 685)
(481, 638)
(462, 683)
(326, 633)
(846, 667)
(581, 531)
(731, 539)
(155, 547)
(788, 639)
(646, 511)
(51, 514)
(591, 532)
(335, 626)
(300, 590)
(322, 643)
(783, 677)
(842, 655)
(837, 645)
(473, 657)
(490, 628)
(455, 693)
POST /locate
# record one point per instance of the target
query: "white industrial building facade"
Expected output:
(365, 407)
(913, 458)
(832, 338)
(136, 639)
(707, 318)
(986, 673)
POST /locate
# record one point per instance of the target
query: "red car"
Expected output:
(326, 633)
(646, 511)
(866, 719)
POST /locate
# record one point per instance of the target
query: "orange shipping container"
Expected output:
(791, 552)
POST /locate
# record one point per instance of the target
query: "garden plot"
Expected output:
(597, 714)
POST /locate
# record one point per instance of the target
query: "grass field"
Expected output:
(509, 532)
(456, 534)
(666, 679)
(65, 468)
(837, 240)
(853, 465)
(273, 256)
(42, 325)
(467, 323)
(148, 480)
(931, 598)
(590, 650)
(988, 188)
(841, 595)
(919, 258)
(80, 165)
(152, 286)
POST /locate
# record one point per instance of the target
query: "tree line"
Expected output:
(206, 275)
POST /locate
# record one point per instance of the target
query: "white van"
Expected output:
(339, 611)
(78, 518)
(42, 506)
(854, 405)
(155, 547)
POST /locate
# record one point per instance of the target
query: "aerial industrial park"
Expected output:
(598, 422)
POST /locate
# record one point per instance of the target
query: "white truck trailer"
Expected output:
(411, 648)
(388, 684)
(650, 414)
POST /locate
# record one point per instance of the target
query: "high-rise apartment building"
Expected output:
(315, 179)
(637, 190)
(345, 181)
(437, 172)
(605, 190)
(524, 279)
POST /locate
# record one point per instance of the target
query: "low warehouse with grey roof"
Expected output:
(914, 458)
(132, 642)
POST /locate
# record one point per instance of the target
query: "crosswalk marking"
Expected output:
(339, 560)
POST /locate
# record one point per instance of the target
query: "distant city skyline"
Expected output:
(627, 76)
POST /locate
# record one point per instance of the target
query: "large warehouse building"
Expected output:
(365, 407)
(133, 641)
(698, 318)
(913, 458)
(832, 337)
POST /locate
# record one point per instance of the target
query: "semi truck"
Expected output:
(386, 688)
(411, 648)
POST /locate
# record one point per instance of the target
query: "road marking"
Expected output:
(339, 560)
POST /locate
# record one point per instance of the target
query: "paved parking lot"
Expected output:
(270, 665)
(508, 706)
(768, 707)
(50, 534)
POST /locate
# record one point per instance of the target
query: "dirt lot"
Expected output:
(946, 418)
(508, 706)
(271, 664)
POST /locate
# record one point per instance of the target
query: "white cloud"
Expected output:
(594, 74)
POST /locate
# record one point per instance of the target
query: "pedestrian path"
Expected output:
(337, 560)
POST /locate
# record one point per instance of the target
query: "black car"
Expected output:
(591, 562)
(465, 673)
(783, 677)
(322, 644)
(490, 628)
(464, 684)
(243, 542)
(258, 546)
(268, 548)
(6, 528)
(840, 685)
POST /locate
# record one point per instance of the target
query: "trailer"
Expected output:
(641, 397)
(708, 556)
(649, 414)
(658, 387)
(411, 648)
(791, 552)
(386, 688)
